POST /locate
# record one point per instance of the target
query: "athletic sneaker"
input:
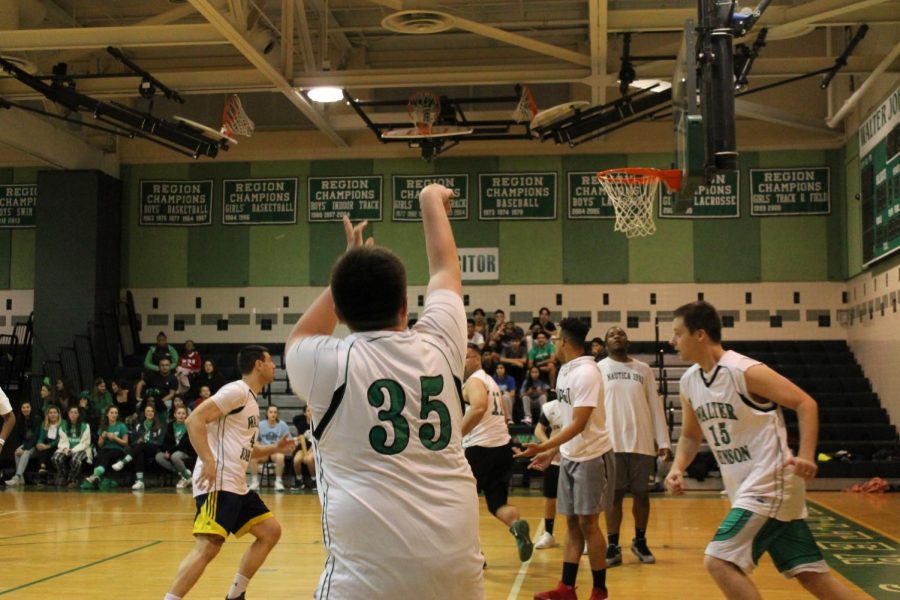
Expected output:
(560, 592)
(138, 485)
(598, 594)
(640, 549)
(254, 485)
(279, 486)
(243, 596)
(585, 551)
(545, 541)
(613, 555)
(184, 482)
(523, 539)
(15, 480)
(118, 466)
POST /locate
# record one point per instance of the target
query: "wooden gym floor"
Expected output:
(95, 545)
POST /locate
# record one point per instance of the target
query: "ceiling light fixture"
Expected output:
(325, 94)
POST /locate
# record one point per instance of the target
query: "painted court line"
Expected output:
(523, 570)
(79, 568)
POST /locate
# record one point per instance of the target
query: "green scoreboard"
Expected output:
(879, 180)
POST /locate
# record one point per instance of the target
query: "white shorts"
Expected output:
(744, 536)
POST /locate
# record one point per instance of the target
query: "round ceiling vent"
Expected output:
(418, 22)
(26, 65)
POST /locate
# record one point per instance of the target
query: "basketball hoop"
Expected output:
(526, 109)
(424, 109)
(234, 119)
(632, 191)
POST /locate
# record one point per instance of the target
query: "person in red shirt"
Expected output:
(189, 364)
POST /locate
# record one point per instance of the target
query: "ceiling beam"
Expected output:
(770, 114)
(338, 37)
(800, 18)
(287, 38)
(309, 57)
(227, 29)
(93, 38)
(598, 35)
(40, 139)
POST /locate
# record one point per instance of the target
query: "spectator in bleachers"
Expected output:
(48, 439)
(541, 356)
(74, 448)
(124, 401)
(205, 394)
(515, 358)
(101, 398)
(304, 457)
(112, 443)
(177, 402)
(27, 430)
(547, 326)
(208, 376)
(177, 449)
(533, 391)
(531, 338)
(47, 399)
(507, 386)
(597, 349)
(63, 393)
(146, 442)
(89, 412)
(163, 380)
(473, 336)
(489, 362)
(270, 432)
(161, 350)
(480, 324)
(189, 366)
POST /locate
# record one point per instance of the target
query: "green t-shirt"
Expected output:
(119, 430)
(180, 430)
(538, 354)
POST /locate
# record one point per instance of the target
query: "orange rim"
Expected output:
(642, 175)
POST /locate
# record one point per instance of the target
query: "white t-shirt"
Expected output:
(476, 339)
(553, 413)
(634, 413)
(231, 438)
(491, 430)
(748, 439)
(580, 384)
(5, 405)
(399, 506)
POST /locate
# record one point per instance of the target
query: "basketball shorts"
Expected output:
(220, 513)
(551, 481)
(586, 487)
(744, 536)
(633, 471)
(492, 468)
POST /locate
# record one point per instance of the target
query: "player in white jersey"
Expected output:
(223, 431)
(488, 447)
(399, 505)
(587, 469)
(9, 419)
(549, 425)
(735, 403)
(638, 432)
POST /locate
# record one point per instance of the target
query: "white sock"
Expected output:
(238, 586)
(172, 597)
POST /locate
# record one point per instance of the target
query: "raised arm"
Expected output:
(320, 318)
(443, 261)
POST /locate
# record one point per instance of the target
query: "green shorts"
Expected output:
(744, 536)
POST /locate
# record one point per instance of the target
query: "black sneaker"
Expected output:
(640, 549)
(521, 532)
(241, 597)
(613, 555)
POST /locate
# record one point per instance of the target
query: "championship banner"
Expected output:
(517, 196)
(879, 180)
(479, 264)
(259, 201)
(406, 195)
(587, 199)
(720, 199)
(359, 197)
(795, 191)
(17, 204)
(176, 202)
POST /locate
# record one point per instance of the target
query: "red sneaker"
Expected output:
(560, 592)
(598, 594)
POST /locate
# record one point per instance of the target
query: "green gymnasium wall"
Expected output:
(796, 248)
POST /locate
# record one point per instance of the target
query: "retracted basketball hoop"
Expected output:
(235, 120)
(632, 191)
(424, 108)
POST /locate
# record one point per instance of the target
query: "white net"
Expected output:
(632, 197)
(424, 109)
(235, 120)
(526, 109)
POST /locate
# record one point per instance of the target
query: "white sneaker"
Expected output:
(585, 549)
(138, 485)
(254, 485)
(545, 541)
(183, 483)
(279, 486)
(118, 466)
(15, 480)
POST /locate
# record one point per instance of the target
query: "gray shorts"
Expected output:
(586, 488)
(633, 471)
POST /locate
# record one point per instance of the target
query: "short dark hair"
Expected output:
(597, 340)
(247, 357)
(369, 288)
(542, 309)
(470, 321)
(574, 330)
(701, 315)
(500, 311)
(478, 311)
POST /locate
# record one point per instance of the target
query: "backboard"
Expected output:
(690, 140)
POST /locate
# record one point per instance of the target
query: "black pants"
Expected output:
(143, 454)
(107, 456)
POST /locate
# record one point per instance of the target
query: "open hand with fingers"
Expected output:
(355, 234)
